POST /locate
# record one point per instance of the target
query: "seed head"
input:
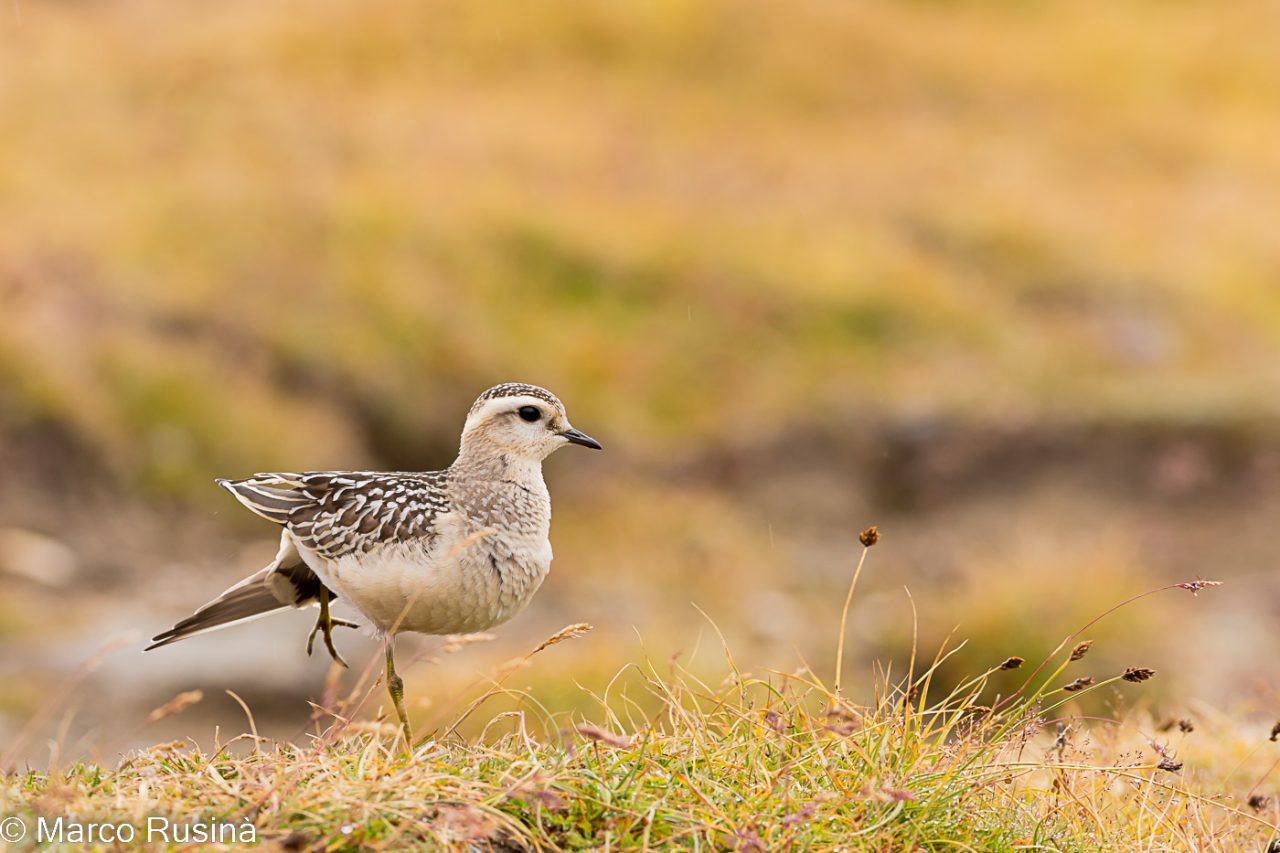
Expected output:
(1186, 726)
(1079, 684)
(870, 536)
(747, 840)
(806, 813)
(841, 722)
(1194, 587)
(1137, 674)
(1258, 802)
(1081, 650)
(1170, 723)
(1012, 663)
(1169, 765)
(599, 735)
(568, 632)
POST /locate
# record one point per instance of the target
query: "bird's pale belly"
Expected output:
(409, 587)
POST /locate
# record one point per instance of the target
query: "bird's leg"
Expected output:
(395, 686)
(325, 624)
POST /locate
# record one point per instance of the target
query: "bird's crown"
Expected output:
(515, 389)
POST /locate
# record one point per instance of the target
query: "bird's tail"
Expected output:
(285, 582)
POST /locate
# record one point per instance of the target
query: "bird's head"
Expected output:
(522, 421)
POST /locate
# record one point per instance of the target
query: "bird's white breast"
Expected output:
(465, 578)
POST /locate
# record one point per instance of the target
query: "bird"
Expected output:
(454, 551)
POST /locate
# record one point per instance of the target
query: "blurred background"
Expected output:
(1001, 278)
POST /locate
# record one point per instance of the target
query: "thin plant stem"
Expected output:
(1085, 627)
(844, 618)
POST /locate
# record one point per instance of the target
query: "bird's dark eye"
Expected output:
(530, 413)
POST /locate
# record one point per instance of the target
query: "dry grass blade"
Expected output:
(848, 600)
(504, 671)
(253, 726)
(176, 705)
(466, 543)
(568, 632)
(454, 642)
(60, 697)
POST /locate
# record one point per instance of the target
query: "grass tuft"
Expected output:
(754, 761)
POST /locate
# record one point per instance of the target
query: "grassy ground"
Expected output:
(1006, 760)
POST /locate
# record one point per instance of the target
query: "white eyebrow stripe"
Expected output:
(505, 404)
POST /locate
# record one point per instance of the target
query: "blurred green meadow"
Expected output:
(1001, 278)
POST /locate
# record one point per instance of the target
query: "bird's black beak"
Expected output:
(579, 437)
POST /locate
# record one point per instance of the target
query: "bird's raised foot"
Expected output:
(325, 625)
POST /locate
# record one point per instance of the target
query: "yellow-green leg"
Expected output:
(324, 624)
(395, 686)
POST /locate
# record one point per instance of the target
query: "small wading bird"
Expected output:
(437, 552)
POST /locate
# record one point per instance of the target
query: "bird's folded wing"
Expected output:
(335, 513)
(272, 498)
